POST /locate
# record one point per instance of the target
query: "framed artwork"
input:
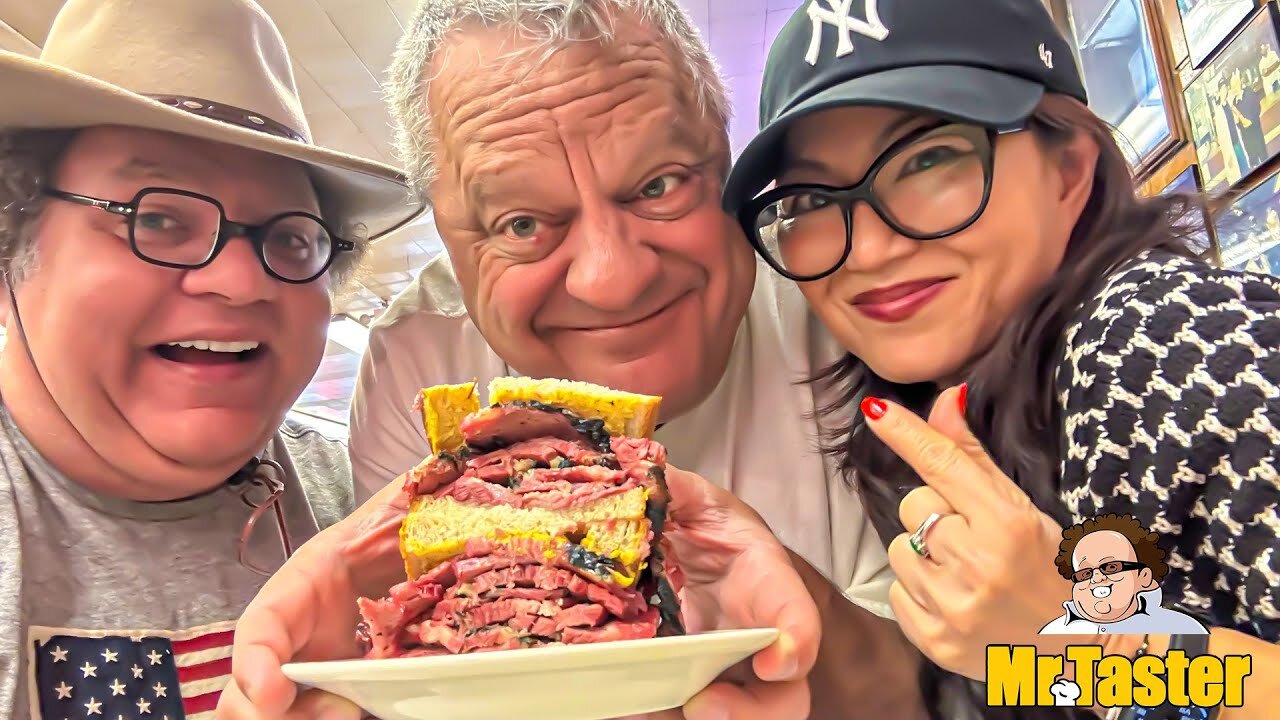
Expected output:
(1267, 263)
(1249, 230)
(1234, 105)
(1206, 22)
(1170, 13)
(1188, 181)
(1122, 74)
(1166, 175)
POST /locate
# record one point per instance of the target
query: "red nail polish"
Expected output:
(874, 408)
(964, 397)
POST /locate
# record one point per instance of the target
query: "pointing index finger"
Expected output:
(939, 461)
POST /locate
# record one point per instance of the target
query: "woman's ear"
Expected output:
(1075, 162)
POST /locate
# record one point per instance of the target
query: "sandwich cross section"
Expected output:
(537, 520)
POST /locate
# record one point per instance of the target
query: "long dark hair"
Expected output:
(1011, 404)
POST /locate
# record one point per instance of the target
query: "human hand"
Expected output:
(737, 575)
(307, 612)
(988, 575)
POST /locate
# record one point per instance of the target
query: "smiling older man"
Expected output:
(578, 199)
(574, 152)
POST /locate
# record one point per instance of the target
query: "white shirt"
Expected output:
(750, 435)
(1150, 618)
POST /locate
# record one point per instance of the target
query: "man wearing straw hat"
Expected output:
(170, 241)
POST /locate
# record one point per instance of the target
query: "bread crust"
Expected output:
(626, 414)
(443, 408)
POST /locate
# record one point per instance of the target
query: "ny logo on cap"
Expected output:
(1046, 56)
(844, 24)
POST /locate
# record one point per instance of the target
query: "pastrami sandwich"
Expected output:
(537, 520)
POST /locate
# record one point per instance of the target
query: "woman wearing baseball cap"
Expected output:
(1030, 343)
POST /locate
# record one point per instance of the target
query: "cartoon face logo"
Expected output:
(1108, 575)
(1115, 566)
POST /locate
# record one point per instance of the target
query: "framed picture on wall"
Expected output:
(1234, 105)
(1249, 230)
(1170, 13)
(1123, 77)
(1188, 182)
(1206, 22)
(1267, 263)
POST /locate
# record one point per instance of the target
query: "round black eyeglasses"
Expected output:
(186, 230)
(932, 183)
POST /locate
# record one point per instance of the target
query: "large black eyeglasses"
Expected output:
(1109, 568)
(932, 183)
(180, 229)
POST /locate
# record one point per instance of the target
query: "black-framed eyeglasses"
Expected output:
(186, 230)
(1109, 568)
(930, 184)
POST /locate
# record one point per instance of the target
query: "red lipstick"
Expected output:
(895, 303)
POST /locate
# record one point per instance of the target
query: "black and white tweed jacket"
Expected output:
(1170, 397)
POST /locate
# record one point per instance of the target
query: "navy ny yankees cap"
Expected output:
(986, 62)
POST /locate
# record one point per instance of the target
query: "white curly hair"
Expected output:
(551, 25)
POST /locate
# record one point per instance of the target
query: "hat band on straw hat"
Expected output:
(231, 115)
(154, 64)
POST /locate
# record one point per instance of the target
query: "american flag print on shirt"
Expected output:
(127, 674)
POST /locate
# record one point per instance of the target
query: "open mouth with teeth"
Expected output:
(1101, 591)
(209, 352)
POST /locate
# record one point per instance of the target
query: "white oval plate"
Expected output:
(599, 681)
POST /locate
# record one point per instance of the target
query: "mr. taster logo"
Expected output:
(1115, 565)
(1017, 676)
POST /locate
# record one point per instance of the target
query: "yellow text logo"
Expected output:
(1017, 676)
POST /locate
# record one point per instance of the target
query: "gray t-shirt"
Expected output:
(118, 609)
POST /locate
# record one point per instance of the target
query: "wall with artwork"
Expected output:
(1249, 230)
(1192, 88)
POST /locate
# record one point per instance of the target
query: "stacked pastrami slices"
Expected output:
(541, 529)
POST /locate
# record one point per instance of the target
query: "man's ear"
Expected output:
(1146, 581)
(1076, 164)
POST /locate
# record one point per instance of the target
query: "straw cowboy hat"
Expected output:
(212, 69)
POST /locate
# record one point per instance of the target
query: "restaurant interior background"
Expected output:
(1191, 86)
